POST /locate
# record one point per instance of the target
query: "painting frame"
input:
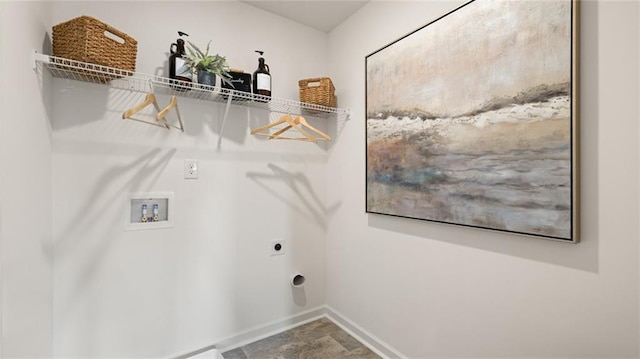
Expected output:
(405, 175)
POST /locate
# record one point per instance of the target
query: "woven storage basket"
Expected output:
(86, 39)
(318, 91)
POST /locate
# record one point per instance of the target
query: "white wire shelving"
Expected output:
(140, 82)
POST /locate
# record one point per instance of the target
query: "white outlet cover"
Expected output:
(191, 169)
(283, 247)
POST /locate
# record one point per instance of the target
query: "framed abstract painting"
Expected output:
(472, 120)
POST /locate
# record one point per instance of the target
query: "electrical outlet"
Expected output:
(190, 169)
(277, 247)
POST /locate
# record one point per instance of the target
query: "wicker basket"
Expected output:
(318, 91)
(87, 39)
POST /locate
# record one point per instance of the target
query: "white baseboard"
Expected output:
(207, 352)
(379, 347)
(269, 329)
(251, 335)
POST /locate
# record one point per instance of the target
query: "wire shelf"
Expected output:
(140, 82)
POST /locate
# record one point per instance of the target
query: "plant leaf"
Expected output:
(197, 49)
(214, 64)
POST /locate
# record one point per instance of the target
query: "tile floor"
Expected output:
(320, 339)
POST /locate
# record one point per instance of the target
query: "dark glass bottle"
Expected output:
(262, 78)
(178, 68)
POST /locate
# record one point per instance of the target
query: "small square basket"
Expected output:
(318, 91)
(88, 39)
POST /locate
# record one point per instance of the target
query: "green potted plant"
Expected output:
(204, 66)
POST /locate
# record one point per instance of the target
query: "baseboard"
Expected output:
(210, 351)
(251, 335)
(260, 332)
(381, 348)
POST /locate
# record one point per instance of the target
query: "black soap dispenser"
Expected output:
(262, 78)
(178, 68)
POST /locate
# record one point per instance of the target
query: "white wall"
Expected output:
(638, 179)
(163, 292)
(638, 102)
(25, 190)
(1, 195)
(434, 290)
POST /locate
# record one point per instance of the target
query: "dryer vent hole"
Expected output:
(298, 280)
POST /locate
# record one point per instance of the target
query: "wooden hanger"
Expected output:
(258, 130)
(150, 99)
(173, 103)
(301, 121)
(291, 123)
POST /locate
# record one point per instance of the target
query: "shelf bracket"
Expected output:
(37, 57)
(224, 119)
(34, 64)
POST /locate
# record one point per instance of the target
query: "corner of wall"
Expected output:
(26, 302)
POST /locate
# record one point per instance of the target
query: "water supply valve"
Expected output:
(144, 213)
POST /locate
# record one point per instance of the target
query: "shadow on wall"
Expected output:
(85, 103)
(582, 256)
(308, 204)
(235, 128)
(336, 131)
(141, 174)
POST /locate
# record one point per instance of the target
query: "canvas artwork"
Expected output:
(471, 120)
